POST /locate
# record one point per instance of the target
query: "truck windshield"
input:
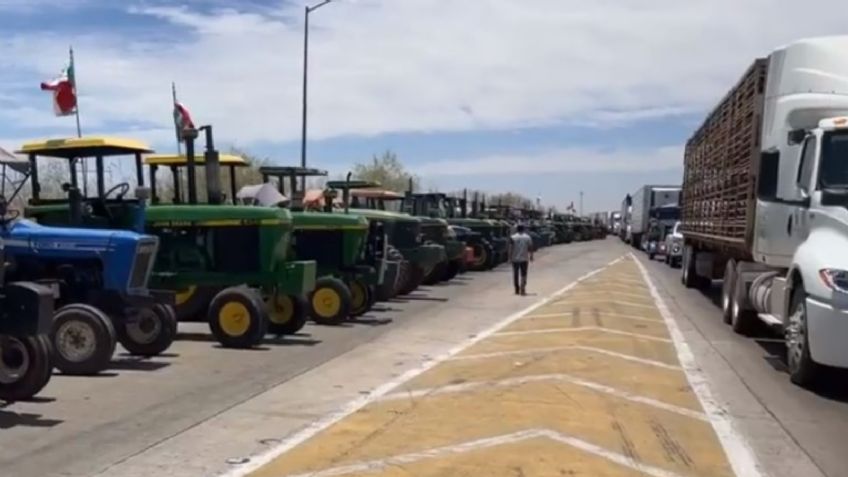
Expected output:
(834, 160)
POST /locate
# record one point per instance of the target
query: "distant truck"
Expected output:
(615, 222)
(646, 203)
(624, 221)
(765, 203)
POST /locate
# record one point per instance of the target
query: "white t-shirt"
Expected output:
(522, 244)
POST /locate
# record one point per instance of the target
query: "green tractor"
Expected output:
(434, 230)
(349, 250)
(237, 293)
(405, 235)
(491, 246)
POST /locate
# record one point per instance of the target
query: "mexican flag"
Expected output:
(64, 92)
(182, 120)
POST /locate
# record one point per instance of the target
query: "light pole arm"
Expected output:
(316, 7)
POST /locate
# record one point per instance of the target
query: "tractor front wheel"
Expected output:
(361, 297)
(287, 313)
(25, 366)
(452, 270)
(330, 302)
(149, 333)
(238, 317)
(83, 340)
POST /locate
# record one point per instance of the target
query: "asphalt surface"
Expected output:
(816, 421)
(187, 412)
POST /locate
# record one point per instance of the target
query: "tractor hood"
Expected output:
(126, 257)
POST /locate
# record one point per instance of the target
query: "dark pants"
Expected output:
(519, 268)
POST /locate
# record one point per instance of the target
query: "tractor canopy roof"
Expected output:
(91, 146)
(15, 163)
(375, 194)
(352, 184)
(181, 160)
(292, 171)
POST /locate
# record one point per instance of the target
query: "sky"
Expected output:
(546, 98)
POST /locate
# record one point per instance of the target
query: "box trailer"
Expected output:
(645, 202)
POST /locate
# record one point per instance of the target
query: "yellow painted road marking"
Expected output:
(588, 384)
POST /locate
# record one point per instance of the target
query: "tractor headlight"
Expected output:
(835, 279)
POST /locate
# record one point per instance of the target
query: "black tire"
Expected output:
(414, 279)
(83, 340)
(689, 276)
(452, 270)
(482, 257)
(651, 256)
(192, 303)
(742, 319)
(435, 275)
(287, 314)
(28, 358)
(150, 333)
(803, 371)
(403, 277)
(238, 318)
(667, 260)
(728, 287)
(361, 297)
(330, 301)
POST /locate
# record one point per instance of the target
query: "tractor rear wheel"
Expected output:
(150, 333)
(287, 313)
(83, 339)
(452, 270)
(191, 303)
(330, 301)
(482, 257)
(25, 366)
(436, 274)
(360, 297)
(238, 317)
(414, 279)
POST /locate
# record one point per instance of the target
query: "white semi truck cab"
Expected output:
(782, 244)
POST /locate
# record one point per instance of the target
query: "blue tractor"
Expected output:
(26, 313)
(99, 278)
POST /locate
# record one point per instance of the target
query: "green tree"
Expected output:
(388, 171)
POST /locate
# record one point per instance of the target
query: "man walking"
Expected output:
(520, 254)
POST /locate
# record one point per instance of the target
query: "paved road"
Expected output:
(816, 421)
(80, 426)
(587, 384)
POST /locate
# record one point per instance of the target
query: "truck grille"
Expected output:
(144, 257)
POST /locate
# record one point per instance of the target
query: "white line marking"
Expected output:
(554, 349)
(736, 448)
(571, 302)
(489, 442)
(357, 404)
(584, 328)
(601, 314)
(517, 381)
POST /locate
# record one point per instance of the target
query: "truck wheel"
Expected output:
(287, 314)
(238, 318)
(651, 256)
(728, 287)
(667, 259)
(360, 297)
(803, 371)
(83, 340)
(743, 320)
(330, 302)
(25, 366)
(150, 333)
(688, 276)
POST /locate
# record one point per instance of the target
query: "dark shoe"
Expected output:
(523, 292)
(516, 291)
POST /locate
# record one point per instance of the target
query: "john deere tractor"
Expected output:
(349, 250)
(227, 263)
(490, 246)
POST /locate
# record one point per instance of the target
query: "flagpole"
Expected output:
(73, 79)
(176, 128)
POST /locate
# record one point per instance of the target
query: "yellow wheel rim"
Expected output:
(234, 319)
(282, 309)
(357, 295)
(326, 302)
(182, 297)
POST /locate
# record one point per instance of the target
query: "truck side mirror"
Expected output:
(796, 136)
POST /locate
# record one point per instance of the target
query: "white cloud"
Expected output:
(574, 160)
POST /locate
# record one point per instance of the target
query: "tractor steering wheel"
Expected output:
(124, 187)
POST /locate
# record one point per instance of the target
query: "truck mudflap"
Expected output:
(828, 333)
(297, 277)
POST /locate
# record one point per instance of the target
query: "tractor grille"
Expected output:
(145, 254)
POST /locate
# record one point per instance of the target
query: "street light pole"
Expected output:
(581, 203)
(307, 11)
